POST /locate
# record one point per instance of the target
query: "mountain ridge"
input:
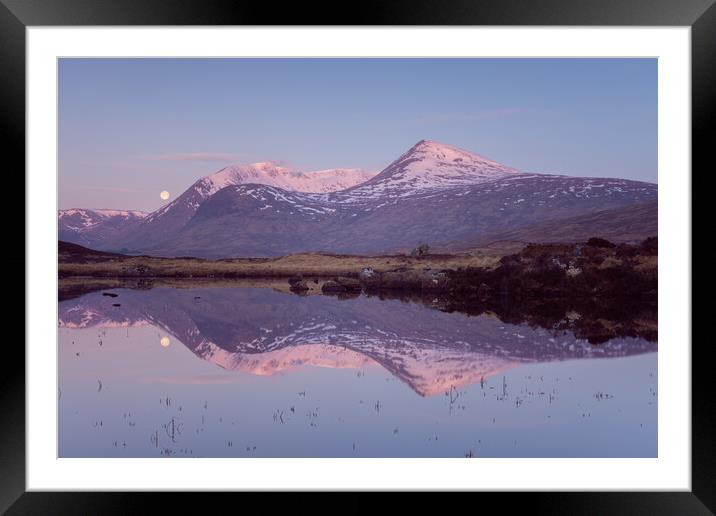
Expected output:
(433, 192)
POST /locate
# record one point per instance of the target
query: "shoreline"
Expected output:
(98, 264)
(597, 289)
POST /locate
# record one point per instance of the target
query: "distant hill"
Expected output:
(96, 228)
(69, 252)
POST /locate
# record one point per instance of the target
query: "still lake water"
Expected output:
(255, 372)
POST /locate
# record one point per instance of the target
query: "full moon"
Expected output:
(164, 195)
(164, 341)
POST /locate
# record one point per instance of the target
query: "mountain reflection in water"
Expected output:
(264, 332)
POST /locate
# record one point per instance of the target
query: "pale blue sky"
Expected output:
(129, 128)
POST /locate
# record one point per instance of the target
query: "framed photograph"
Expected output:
(430, 249)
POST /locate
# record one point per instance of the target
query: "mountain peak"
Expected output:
(446, 152)
(430, 164)
(427, 143)
(429, 146)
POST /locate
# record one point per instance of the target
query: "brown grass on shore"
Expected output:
(304, 264)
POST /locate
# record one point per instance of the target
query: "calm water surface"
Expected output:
(254, 372)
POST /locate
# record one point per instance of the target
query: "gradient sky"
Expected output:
(130, 128)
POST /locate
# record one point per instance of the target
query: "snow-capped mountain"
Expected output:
(268, 173)
(433, 193)
(95, 228)
(430, 166)
(176, 214)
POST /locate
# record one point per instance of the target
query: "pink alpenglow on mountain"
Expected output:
(177, 213)
(433, 193)
(100, 228)
(430, 164)
(272, 174)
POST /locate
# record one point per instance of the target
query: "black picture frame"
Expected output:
(16, 15)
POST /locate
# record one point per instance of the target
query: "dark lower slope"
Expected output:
(260, 221)
(69, 252)
(626, 224)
